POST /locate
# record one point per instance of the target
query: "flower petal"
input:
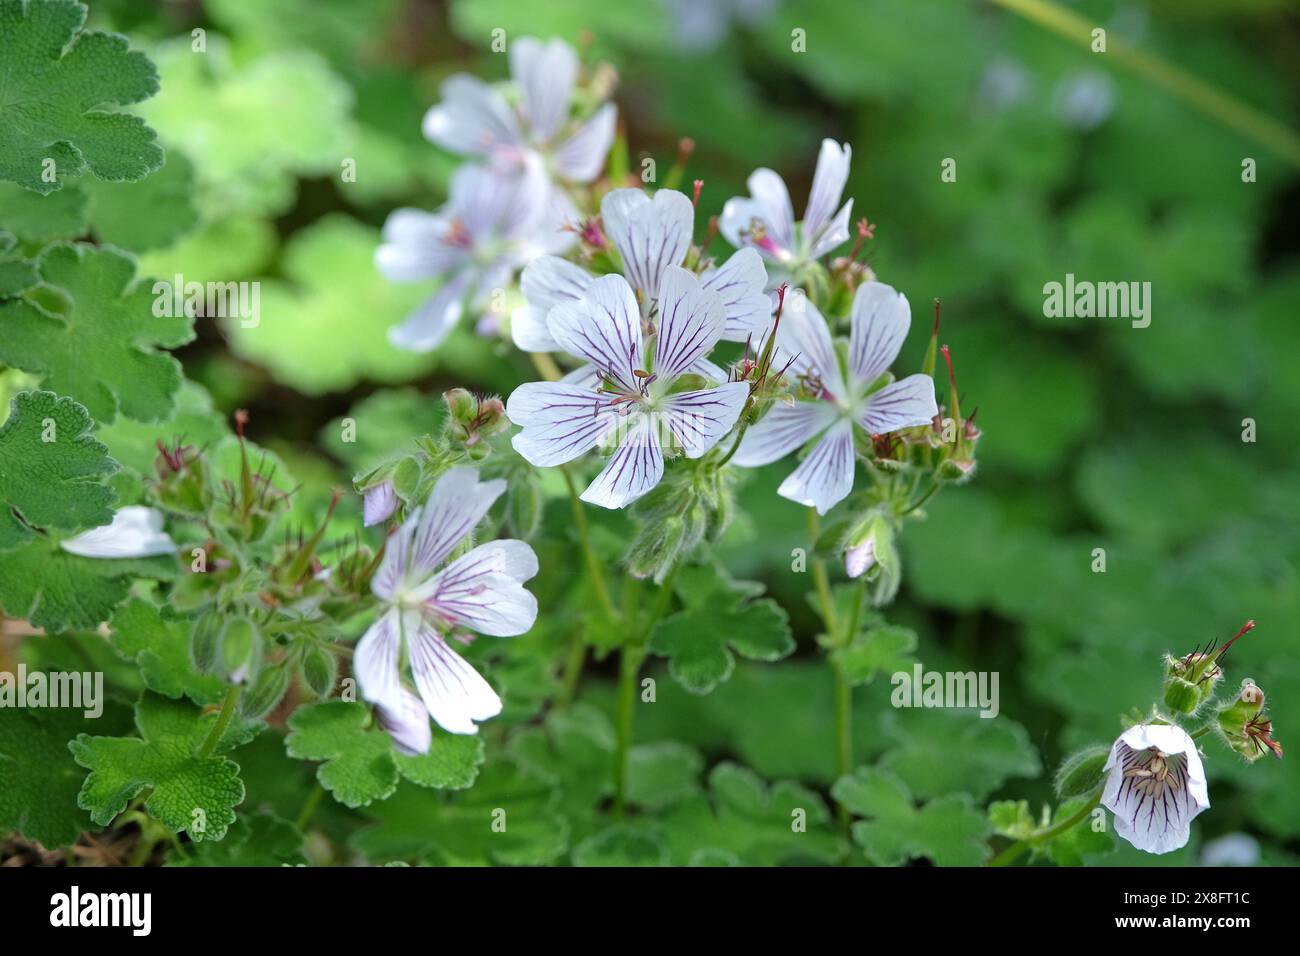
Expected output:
(691, 320)
(376, 658)
(804, 339)
(903, 404)
(407, 722)
(414, 247)
(699, 420)
(833, 234)
(545, 73)
(880, 319)
(827, 185)
(650, 234)
(432, 321)
(546, 282)
(455, 694)
(825, 477)
(560, 421)
(483, 590)
(740, 282)
(472, 118)
(1153, 815)
(135, 532)
(635, 468)
(783, 429)
(603, 328)
(581, 157)
(379, 503)
(768, 189)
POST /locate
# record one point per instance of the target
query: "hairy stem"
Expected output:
(223, 721)
(594, 571)
(1046, 834)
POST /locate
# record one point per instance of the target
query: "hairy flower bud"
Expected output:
(1081, 772)
(1245, 726)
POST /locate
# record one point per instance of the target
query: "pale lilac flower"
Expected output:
(422, 605)
(1155, 786)
(477, 119)
(135, 532)
(379, 502)
(650, 235)
(838, 400)
(633, 402)
(407, 723)
(764, 220)
(703, 24)
(492, 225)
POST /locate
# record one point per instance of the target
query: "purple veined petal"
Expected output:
(432, 321)
(650, 234)
(376, 658)
(768, 190)
(740, 282)
(457, 503)
(603, 328)
(804, 341)
(135, 532)
(454, 693)
(691, 320)
(545, 74)
(783, 429)
(635, 468)
(472, 118)
(880, 318)
(407, 722)
(584, 376)
(698, 420)
(903, 404)
(709, 370)
(833, 234)
(546, 282)
(1152, 814)
(379, 503)
(415, 247)
(560, 421)
(827, 185)
(483, 590)
(581, 157)
(825, 477)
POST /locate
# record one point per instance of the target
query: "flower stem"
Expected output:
(223, 721)
(1046, 834)
(584, 540)
(546, 366)
(819, 575)
(309, 806)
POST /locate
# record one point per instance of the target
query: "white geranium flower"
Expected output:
(492, 225)
(839, 400)
(480, 591)
(632, 400)
(135, 532)
(764, 220)
(650, 235)
(531, 126)
(1155, 786)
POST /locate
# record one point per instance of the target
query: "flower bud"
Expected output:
(1082, 771)
(204, 642)
(260, 699)
(864, 541)
(1245, 726)
(319, 670)
(240, 649)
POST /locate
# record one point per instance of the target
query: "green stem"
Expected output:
(923, 499)
(572, 670)
(1201, 732)
(584, 539)
(1047, 834)
(309, 806)
(819, 576)
(223, 721)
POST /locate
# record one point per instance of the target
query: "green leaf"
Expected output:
(1080, 843)
(887, 648)
(360, 764)
(104, 351)
(255, 839)
(721, 616)
(623, 845)
(39, 780)
(193, 421)
(759, 825)
(949, 831)
(56, 590)
(382, 425)
(17, 274)
(59, 88)
(51, 469)
(38, 219)
(1011, 819)
(159, 643)
(938, 751)
(151, 214)
(188, 792)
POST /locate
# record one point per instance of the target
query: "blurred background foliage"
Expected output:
(1096, 434)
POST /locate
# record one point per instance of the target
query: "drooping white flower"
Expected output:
(838, 400)
(534, 125)
(492, 225)
(135, 532)
(633, 402)
(764, 220)
(379, 502)
(1155, 786)
(423, 603)
(650, 235)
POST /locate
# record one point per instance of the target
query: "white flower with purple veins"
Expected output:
(1155, 786)
(528, 121)
(423, 605)
(633, 401)
(764, 220)
(492, 225)
(379, 502)
(838, 399)
(135, 532)
(650, 234)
